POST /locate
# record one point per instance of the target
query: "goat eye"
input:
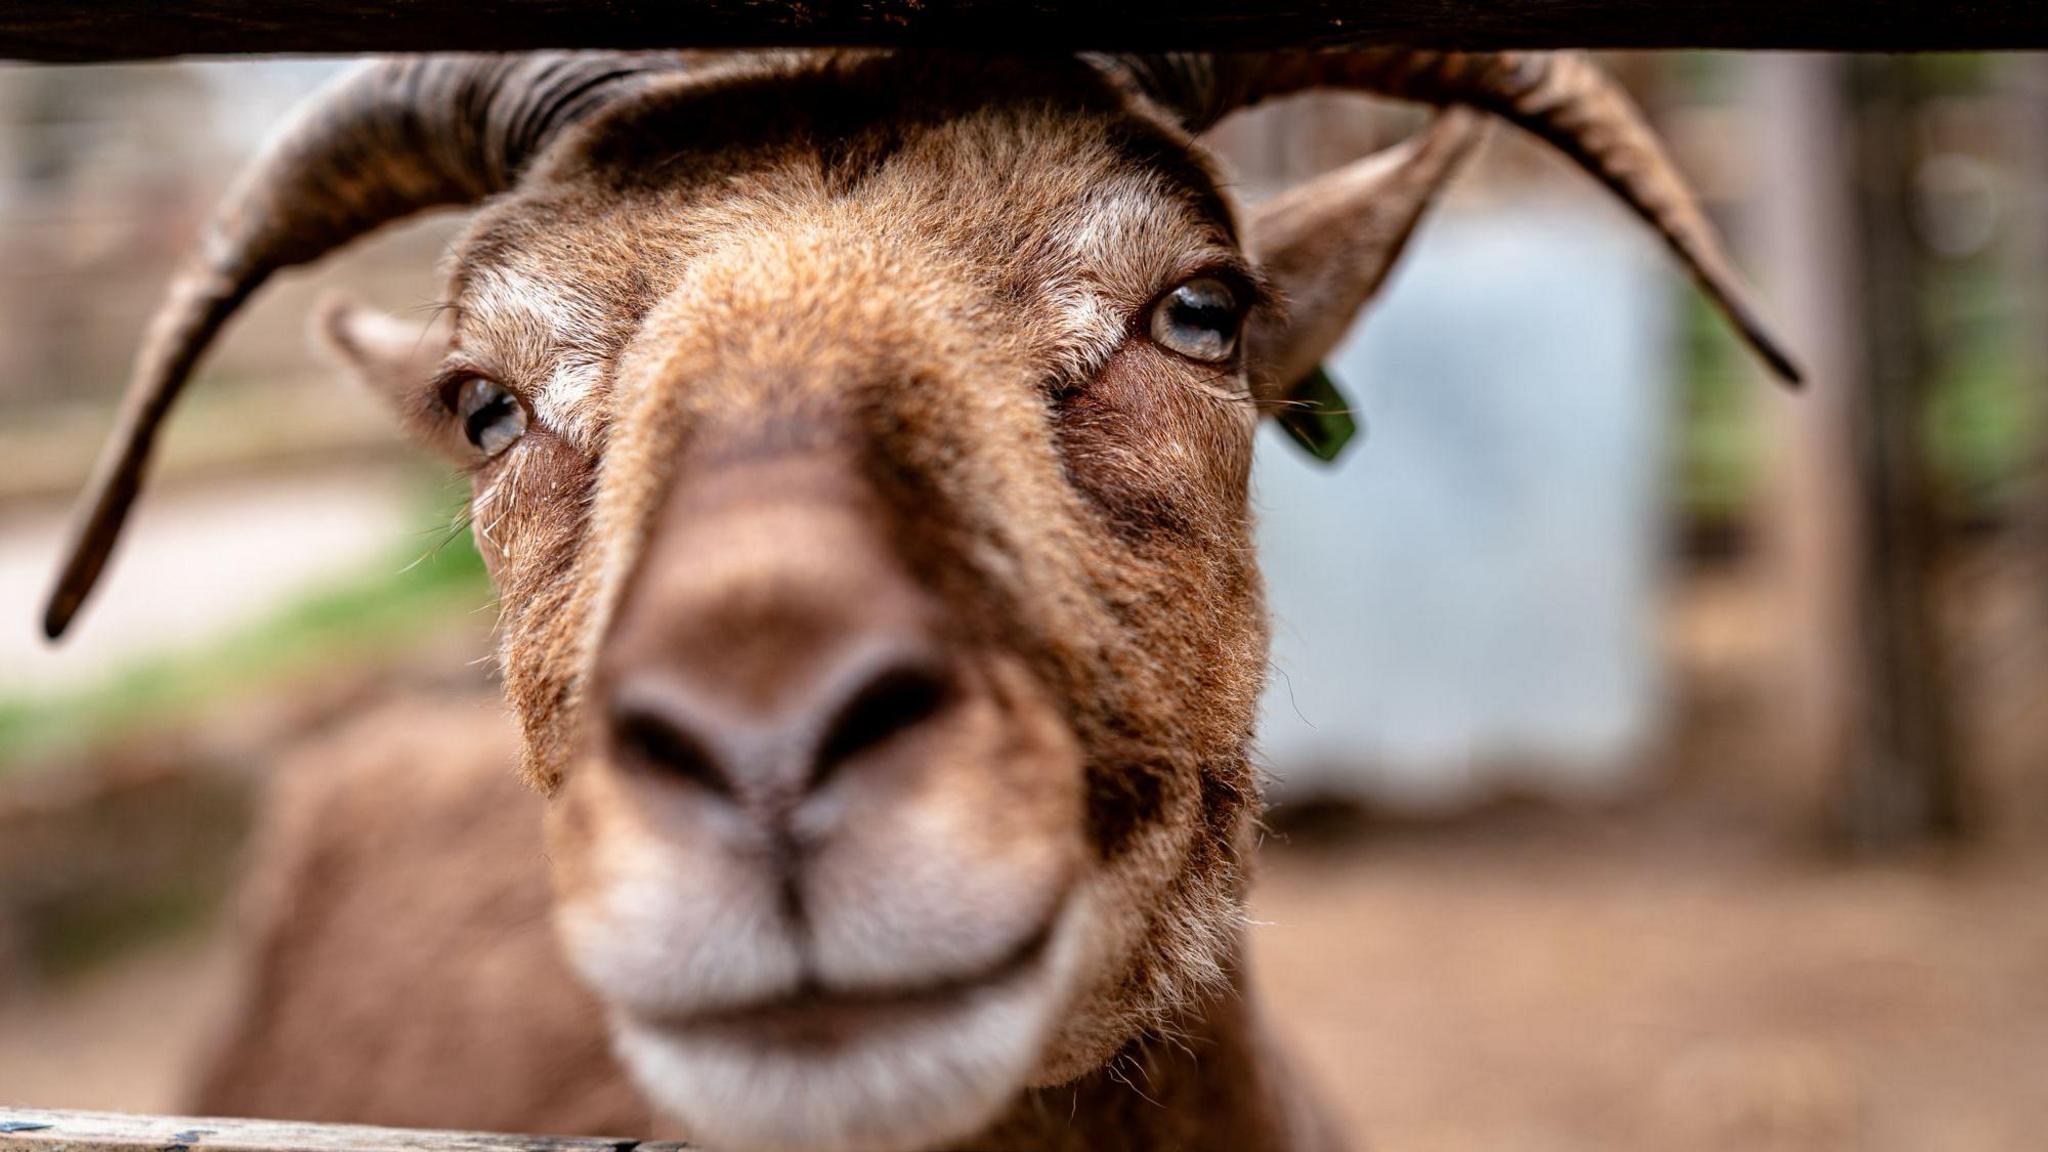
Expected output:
(492, 418)
(1199, 320)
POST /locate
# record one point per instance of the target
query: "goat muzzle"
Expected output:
(769, 642)
(817, 835)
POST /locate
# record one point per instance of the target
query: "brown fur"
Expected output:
(403, 971)
(819, 345)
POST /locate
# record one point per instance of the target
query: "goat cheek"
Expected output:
(1159, 455)
(529, 499)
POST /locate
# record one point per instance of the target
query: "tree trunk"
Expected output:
(2027, 91)
(1853, 522)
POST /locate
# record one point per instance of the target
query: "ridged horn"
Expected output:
(388, 140)
(1562, 98)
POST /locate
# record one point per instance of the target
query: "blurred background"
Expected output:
(1661, 760)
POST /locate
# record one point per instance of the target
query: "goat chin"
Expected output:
(904, 1078)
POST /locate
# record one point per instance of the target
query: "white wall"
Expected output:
(1469, 595)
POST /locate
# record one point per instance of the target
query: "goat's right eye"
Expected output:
(1199, 320)
(492, 417)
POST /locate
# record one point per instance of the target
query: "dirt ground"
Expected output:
(1690, 969)
(1574, 984)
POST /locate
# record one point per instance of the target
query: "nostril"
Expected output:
(646, 738)
(894, 700)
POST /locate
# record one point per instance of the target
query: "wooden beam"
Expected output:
(66, 30)
(33, 1130)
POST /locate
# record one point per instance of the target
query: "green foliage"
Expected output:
(1978, 427)
(1720, 446)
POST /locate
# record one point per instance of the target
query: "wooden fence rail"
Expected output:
(33, 1130)
(66, 30)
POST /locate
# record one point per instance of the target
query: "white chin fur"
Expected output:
(920, 1080)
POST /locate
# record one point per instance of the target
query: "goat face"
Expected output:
(860, 447)
(877, 583)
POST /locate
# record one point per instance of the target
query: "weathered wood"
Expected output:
(65, 30)
(33, 1130)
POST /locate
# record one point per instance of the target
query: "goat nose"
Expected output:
(869, 695)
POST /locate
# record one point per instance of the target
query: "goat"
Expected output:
(860, 445)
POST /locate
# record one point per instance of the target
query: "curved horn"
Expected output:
(1563, 98)
(385, 141)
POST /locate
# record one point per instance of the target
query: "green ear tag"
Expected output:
(1318, 416)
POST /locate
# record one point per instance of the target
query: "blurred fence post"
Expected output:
(1851, 519)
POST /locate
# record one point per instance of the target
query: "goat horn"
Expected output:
(387, 140)
(1563, 98)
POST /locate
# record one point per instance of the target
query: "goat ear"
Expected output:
(393, 358)
(1327, 246)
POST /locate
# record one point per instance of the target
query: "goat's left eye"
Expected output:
(1199, 320)
(492, 418)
